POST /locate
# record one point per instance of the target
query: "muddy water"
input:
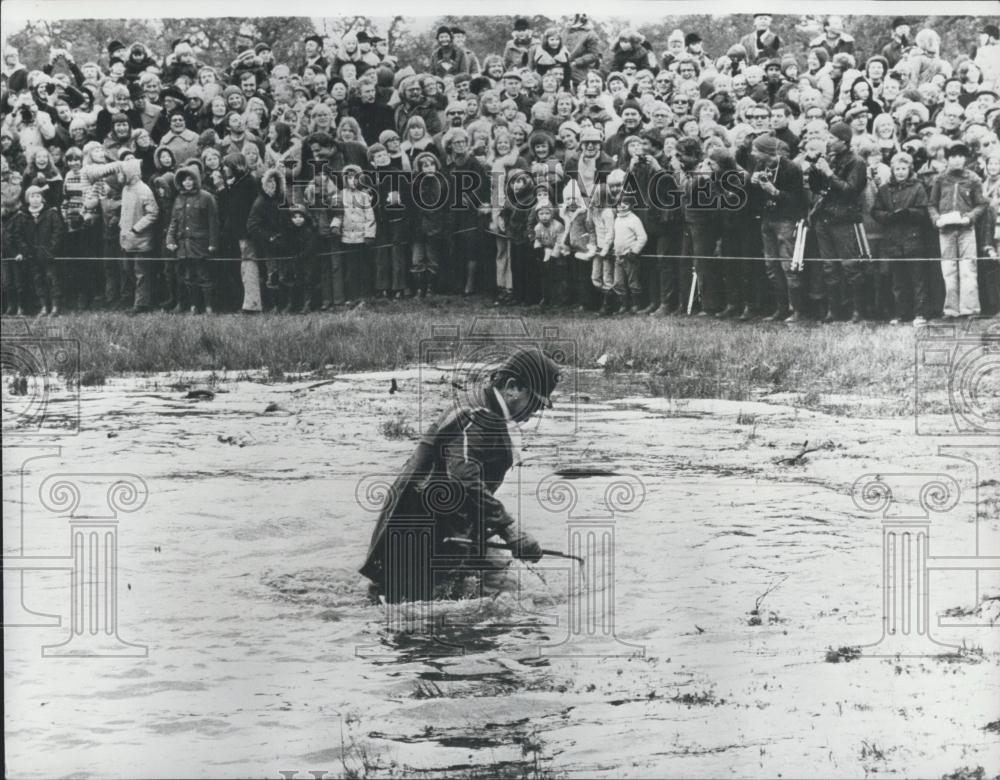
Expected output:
(265, 654)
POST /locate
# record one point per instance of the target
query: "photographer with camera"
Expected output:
(776, 182)
(32, 128)
(837, 179)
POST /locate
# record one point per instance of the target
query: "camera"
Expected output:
(27, 115)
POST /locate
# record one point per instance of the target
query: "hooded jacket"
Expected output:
(137, 223)
(236, 202)
(267, 224)
(355, 218)
(194, 221)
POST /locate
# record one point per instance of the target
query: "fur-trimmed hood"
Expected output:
(275, 175)
(188, 171)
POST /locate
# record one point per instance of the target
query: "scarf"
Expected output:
(36, 210)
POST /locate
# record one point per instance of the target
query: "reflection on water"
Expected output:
(267, 652)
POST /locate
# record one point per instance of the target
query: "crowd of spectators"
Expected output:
(780, 179)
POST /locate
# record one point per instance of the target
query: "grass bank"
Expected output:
(686, 357)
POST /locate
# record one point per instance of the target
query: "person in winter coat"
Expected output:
(584, 48)
(578, 243)
(165, 191)
(267, 227)
(901, 208)
(551, 56)
(519, 49)
(466, 452)
(430, 221)
(631, 46)
(448, 59)
(956, 203)
(139, 59)
(194, 234)
(355, 224)
(81, 213)
(777, 183)
(294, 271)
(516, 220)
(327, 273)
(14, 274)
(136, 224)
(39, 232)
(838, 180)
(183, 143)
(235, 201)
(391, 184)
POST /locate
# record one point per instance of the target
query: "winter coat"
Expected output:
(761, 47)
(901, 208)
(960, 191)
(840, 194)
(355, 219)
(39, 237)
(429, 213)
(604, 165)
(516, 56)
(466, 452)
(518, 211)
(267, 224)
(236, 202)
(373, 119)
(425, 110)
(137, 218)
(450, 60)
(183, 145)
(584, 52)
(389, 183)
(789, 204)
(194, 221)
(544, 60)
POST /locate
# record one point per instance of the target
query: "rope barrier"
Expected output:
(640, 257)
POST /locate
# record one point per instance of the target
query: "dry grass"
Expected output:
(684, 357)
